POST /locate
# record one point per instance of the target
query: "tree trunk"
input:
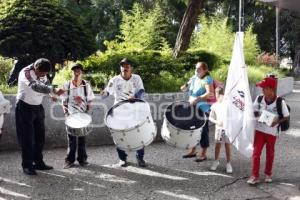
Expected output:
(187, 26)
(296, 64)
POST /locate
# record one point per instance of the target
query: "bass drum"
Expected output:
(131, 124)
(79, 124)
(182, 125)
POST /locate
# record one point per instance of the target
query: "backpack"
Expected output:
(285, 125)
(216, 84)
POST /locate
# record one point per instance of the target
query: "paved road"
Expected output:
(167, 176)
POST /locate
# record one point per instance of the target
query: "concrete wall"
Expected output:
(55, 128)
(285, 86)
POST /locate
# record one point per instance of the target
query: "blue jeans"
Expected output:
(123, 156)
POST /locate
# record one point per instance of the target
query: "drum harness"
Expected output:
(85, 94)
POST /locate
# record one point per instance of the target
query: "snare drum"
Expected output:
(182, 125)
(131, 124)
(78, 124)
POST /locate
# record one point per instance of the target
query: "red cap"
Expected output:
(268, 82)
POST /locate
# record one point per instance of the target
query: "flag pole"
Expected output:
(241, 15)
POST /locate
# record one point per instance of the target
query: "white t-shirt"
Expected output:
(25, 93)
(217, 112)
(270, 108)
(73, 107)
(121, 88)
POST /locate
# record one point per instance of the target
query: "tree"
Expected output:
(141, 29)
(187, 26)
(104, 17)
(30, 29)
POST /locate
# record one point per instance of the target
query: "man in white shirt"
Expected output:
(122, 87)
(30, 115)
(266, 134)
(77, 99)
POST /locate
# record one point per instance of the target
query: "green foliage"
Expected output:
(257, 73)
(42, 29)
(165, 82)
(216, 36)
(5, 89)
(220, 73)
(191, 57)
(62, 76)
(5, 67)
(141, 30)
(251, 48)
(160, 72)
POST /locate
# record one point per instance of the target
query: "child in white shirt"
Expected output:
(216, 116)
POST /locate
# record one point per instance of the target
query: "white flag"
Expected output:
(239, 117)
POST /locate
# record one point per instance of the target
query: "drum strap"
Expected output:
(84, 89)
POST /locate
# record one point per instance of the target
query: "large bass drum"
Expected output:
(182, 125)
(79, 124)
(131, 124)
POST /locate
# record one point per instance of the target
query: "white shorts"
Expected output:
(221, 137)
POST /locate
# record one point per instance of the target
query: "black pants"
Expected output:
(123, 156)
(204, 141)
(30, 132)
(72, 146)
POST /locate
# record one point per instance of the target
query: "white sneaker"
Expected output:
(214, 165)
(253, 181)
(268, 179)
(228, 168)
(122, 163)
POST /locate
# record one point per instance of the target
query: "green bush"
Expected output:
(154, 67)
(255, 73)
(216, 36)
(5, 67)
(62, 76)
(5, 89)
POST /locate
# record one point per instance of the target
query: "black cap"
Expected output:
(77, 66)
(125, 61)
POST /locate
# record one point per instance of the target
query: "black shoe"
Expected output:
(189, 156)
(201, 159)
(83, 163)
(42, 167)
(29, 171)
(68, 164)
(141, 163)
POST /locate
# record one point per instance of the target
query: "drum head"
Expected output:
(78, 120)
(184, 116)
(126, 114)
